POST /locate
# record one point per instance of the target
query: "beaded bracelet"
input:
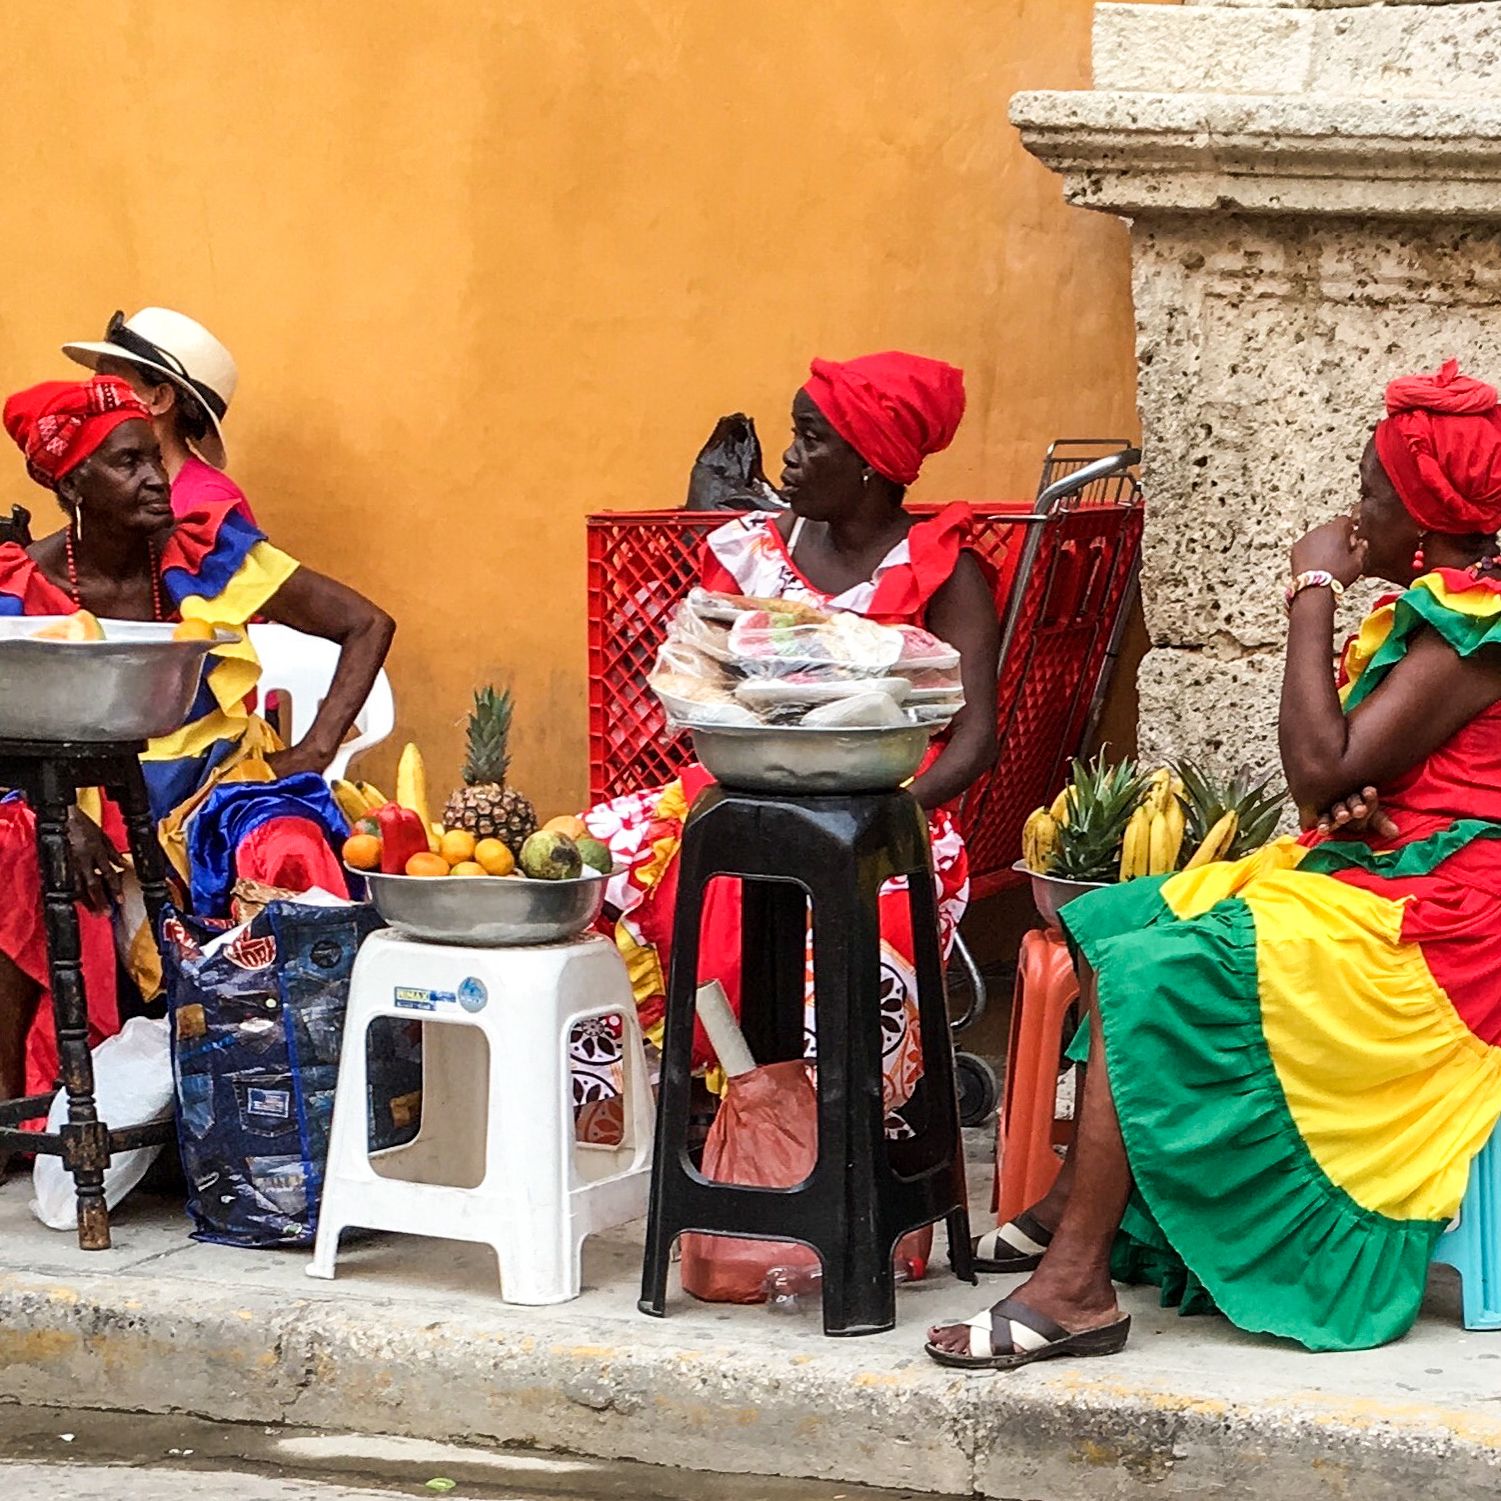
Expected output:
(1315, 578)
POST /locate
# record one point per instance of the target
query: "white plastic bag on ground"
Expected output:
(132, 1085)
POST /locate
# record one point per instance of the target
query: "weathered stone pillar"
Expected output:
(1314, 193)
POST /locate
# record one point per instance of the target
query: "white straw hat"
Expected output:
(181, 351)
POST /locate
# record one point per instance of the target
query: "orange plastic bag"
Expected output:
(765, 1136)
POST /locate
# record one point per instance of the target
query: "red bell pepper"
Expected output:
(401, 837)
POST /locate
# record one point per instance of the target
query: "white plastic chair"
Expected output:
(302, 668)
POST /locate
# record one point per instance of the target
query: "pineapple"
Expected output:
(1257, 806)
(484, 805)
(1099, 806)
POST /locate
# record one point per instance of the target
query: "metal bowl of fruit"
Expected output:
(1051, 894)
(797, 760)
(487, 911)
(61, 682)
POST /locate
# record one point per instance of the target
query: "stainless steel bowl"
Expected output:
(134, 685)
(486, 911)
(795, 759)
(1051, 894)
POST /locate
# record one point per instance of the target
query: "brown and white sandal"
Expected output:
(1016, 1246)
(1012, 1334)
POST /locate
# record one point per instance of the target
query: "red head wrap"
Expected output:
(892, 409)
(59, 423)
(1440, 446)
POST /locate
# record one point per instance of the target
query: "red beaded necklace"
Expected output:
(156, 579)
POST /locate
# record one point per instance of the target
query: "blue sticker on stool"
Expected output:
(472, 995)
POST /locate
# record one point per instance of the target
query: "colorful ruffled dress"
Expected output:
(1305, 1045)
(643, 830)
(215, 567)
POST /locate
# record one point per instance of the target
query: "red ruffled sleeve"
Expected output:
(23, 588)
(933, 549)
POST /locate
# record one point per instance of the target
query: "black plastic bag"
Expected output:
(727, 474)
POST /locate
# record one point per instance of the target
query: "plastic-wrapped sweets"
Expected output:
(730, 661)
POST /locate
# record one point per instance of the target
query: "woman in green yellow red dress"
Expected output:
(123, 555)
(1294, 1058)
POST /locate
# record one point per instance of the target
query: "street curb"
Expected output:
(250, 1355)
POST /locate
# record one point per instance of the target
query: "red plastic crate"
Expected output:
(1078, 583)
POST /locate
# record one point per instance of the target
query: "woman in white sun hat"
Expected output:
(186, 378)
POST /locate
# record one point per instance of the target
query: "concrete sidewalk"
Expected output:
(412, 1339)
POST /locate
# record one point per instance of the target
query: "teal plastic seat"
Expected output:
(1472, 1244)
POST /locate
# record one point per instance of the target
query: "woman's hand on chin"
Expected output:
(1332, 548)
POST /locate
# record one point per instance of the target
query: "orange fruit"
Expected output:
(494, 857)
(468, 868)
(81, 625)
(426, 864)
(193, 630)
(457, 846)
(362, 851)
(570, 824)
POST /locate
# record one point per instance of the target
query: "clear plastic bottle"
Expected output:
(796, 1289)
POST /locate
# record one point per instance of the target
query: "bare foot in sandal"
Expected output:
(1056, 1312)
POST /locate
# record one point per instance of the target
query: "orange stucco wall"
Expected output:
(489, 266)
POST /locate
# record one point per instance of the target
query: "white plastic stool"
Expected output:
(538, 1195)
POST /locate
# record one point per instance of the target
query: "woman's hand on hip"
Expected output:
(1333, 548)
(296, 759)
(97, 871)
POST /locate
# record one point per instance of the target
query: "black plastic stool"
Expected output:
(862, 1195)
(48, 775)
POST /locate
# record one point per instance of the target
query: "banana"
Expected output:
(1217, 842)
(374, 797)
(411, 784)
(1135, 846)
(1162, 846)
(1039, 839)
(351, 801)
(1159, 791)
(1059, 811)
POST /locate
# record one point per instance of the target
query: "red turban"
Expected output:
(59, 423)
(1440, 446)
(892, 409)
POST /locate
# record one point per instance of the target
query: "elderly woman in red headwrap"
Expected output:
(122, 555)
(1293, 1058)
(861, 430)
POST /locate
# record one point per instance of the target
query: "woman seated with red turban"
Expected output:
(861, 430)
(123, 556)
(1294, 1058)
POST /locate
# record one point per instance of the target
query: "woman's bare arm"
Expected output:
(963, 613)
(322, 606)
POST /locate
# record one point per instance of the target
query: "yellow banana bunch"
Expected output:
(1160, 790)
(1216, 843)
(374, 797)
(1165, 840)
(350, 799)
(1136, 846)
(1039, 840)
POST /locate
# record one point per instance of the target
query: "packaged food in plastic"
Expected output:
(922, 651)
(863, 711)
(728, 608)
(843, 646)
(804, 690)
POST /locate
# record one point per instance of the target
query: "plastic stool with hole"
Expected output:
(1472, 1244)
(1026, 1129)
(497, 1118)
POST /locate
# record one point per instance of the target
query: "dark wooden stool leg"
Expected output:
(145, 851)
(85, 1139)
